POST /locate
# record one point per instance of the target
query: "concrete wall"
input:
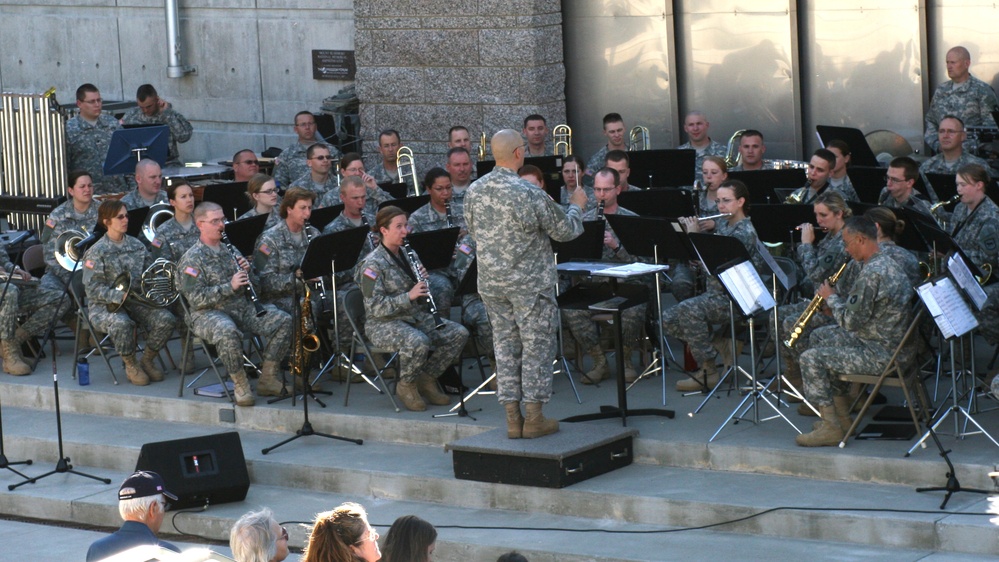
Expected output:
(253, 59)
(425, 65)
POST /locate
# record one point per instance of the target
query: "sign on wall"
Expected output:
(328, 64)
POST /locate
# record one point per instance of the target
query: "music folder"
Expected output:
(337, 251)
(945, 304)
(435, 247)
(244, 233)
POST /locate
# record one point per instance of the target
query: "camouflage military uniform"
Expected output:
(937, 165)
(63, 218)
(173, 239)
(714, 148)
(219, 314)
(767, 165)
(393, 321)
(905, 260)
(549, 151)
(591, 198)
(102, 263)
(36, 303)
(596, 161)
(578, 321)
(511, 222)
(133, 200)
(305, 181)
(272, 219)
(87, 148)
(291, 164)
(844, 187)
(443, 282)
(277, 255)
(180, 129)
(871, 322)
(692, 319)
(977, 232)
(972, 100)
(376, 197)
(915, 202)
(382, 175)
(345, 279)
(819, 261)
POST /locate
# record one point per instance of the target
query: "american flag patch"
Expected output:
(156, 243)
(265, 250)
(89, 264)
(370, 273)
(465, 249)
(50, 223)
(192, 271)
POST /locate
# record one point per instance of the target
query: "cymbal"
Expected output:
(893, 143)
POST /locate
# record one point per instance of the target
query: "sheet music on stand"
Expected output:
(964, 279)
(631, 270)
(746, 288)
(944, 303)
(772, 264)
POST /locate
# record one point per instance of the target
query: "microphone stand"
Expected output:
(4, 461)
(63, 465)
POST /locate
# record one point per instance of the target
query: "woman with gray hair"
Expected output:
(257, 537)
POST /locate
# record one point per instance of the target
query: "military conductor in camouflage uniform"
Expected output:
(214, 287)
(511, 222)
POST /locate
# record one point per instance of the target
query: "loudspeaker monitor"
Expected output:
(210, 469)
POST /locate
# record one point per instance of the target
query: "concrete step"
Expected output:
(421, 478)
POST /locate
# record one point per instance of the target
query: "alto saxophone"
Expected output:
(813, 307)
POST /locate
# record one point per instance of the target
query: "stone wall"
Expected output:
(426, 65)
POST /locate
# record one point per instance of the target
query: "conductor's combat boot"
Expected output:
(535, 423)
(13, 362)
(241, 389)
(600, 371)
(705, 380)
(514, 420)
(134, 372)
(409, 395)
(149, 366)
(828, 434)
(431, 391)
(269, 384)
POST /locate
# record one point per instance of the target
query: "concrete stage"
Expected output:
(840, 498)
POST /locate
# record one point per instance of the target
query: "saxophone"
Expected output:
(305, 342)
(812, 308)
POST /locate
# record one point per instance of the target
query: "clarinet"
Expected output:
(324, 303)
(600, 210)
(251, 294)
(447, 213)
(372, 239)
(417, 267)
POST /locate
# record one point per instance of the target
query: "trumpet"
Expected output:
(251, 294)
(157, 286)
(158, 214)
(562, 135)
(324, 308)
(813, 307)
(482, 146)
(407, 167)
(639, 137)
(417, 267)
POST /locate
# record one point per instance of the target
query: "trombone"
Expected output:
(562, 135)
(407, 167)
(732, 155)
(482, 147)
(640, 139)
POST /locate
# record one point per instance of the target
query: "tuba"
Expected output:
(407, 168)
(732, 156)
(66, 254)
(562, 136)
(639, 138)
(158, 214)
(157, 286)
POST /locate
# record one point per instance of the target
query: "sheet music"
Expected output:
(746, 287)
(772, 263)
(585, 266)
(952, 315)
(631, 270)
(959, 270)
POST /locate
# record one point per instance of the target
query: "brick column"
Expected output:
(426, 65)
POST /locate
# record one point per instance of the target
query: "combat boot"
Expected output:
(724, 348)
(600, 370)
(706, 380)
(409, 394)
(793, 375)
(20, 336)
(430, 391)
(630, 374)
(514, 420)
(269, 383)
(13, 362)
(828, 434)
(134, 372)
(535, 423)
(241, 389)
(149, 366)
(842, 405)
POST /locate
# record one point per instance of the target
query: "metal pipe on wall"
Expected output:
(175, 64)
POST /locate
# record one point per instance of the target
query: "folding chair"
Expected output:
(209, 351)
(353, 305)
(901, 366)
(77, 291)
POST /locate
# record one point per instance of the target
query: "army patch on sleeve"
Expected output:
(370, 273)
(264, 249)
(989, 238)
(156, 243)
(192, 271)
(50, 222)
(465, 249)
(89, 264)
(827, 260)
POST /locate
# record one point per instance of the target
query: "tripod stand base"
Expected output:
(306, 431)
(62, 466)
(4, 463)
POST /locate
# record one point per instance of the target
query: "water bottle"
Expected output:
(83, 372)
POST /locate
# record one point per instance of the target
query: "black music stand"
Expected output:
(662, 167)
(396, 190)
(229, 196)
(128, 146)
(659, 202)
(944, 185)
(330, 254)
(763, 184)
(324, 215)
(778, 223)
(244, 233)
(867, 181)
(4, 461)
(657, 240)
(861, 153)
(408, 204)
(468, 285)
(435, 247)
(136, 217)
